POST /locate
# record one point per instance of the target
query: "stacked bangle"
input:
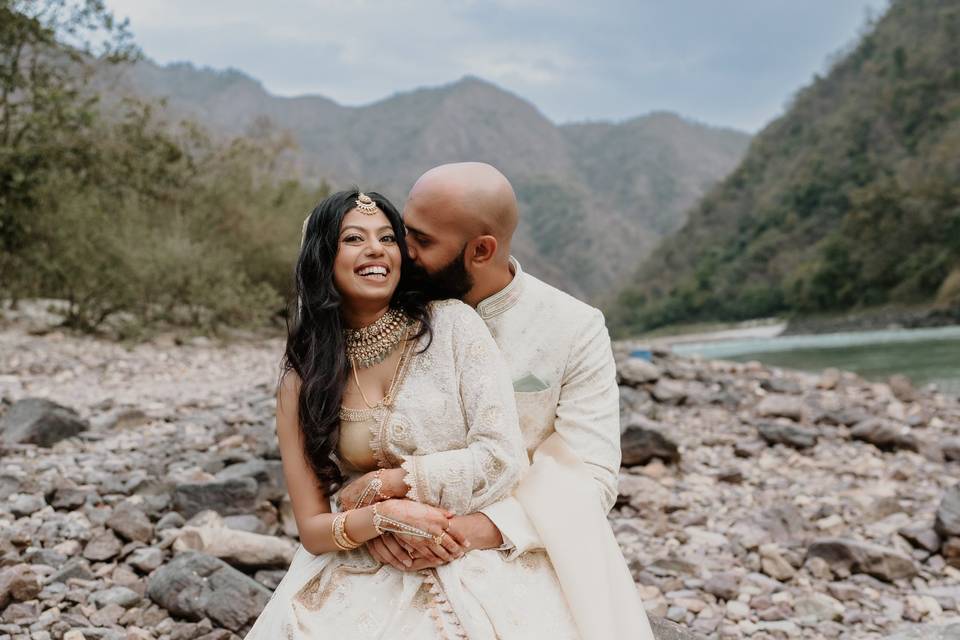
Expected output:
(340, 536)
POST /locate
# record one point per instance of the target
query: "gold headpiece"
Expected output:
(366, 204)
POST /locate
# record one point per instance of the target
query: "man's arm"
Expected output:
(588, 420)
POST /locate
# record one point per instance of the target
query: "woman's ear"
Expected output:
(483, 250)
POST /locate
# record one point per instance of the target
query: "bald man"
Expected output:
(460, 220)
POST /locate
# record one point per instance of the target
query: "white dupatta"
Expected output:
(558, 495)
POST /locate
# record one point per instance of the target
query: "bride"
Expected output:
(408, 407)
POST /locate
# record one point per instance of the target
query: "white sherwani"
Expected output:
(565, 384)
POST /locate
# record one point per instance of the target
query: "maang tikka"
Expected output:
(366, 204)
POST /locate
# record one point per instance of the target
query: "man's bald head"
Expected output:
(472, 197)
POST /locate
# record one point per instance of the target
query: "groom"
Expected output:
(460, 220)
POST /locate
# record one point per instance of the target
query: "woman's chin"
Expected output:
(371, 293)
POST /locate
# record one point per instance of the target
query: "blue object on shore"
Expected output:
(645, 354)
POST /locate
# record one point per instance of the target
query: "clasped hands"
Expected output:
(410, 553)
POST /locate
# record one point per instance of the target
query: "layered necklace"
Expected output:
(375, 342)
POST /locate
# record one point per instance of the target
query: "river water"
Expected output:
(923, 355)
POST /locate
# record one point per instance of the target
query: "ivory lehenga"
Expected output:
(452, 424)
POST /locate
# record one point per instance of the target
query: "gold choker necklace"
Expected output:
(374, 343)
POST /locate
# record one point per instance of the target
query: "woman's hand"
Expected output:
(393, 487)
(402, 551)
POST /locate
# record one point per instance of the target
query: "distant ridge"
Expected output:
(596, 197)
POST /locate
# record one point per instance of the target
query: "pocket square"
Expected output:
(529, 383)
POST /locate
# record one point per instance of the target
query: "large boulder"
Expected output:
(39, 421)
(239, 548)
(947, 521)
(640, 444)
(790, 435)
(226, 497)
(267, 473)
(196, 586)
(863, 557)
(884, 434)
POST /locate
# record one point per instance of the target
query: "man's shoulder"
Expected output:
(554, 300)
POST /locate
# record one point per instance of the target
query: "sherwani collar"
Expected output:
(506, 297)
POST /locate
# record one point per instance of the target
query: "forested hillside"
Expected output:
(849, 200)
(575, 182)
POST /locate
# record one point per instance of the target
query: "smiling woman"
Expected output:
(367, 267)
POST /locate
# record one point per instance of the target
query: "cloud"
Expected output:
(724, 63)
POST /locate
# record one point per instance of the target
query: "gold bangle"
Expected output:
(340, 536)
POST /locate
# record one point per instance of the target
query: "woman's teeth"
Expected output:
(373, 273)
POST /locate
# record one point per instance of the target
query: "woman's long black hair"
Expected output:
(316, 346)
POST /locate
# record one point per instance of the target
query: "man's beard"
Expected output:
(449, 281)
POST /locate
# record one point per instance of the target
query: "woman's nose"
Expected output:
(375, 247)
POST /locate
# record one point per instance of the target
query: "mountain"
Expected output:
(595, 197)
(849, 200)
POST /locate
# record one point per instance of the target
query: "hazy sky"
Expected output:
(733, 62)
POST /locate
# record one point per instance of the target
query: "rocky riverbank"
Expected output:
(755, 502)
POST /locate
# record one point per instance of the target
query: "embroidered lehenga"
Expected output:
(452, 425)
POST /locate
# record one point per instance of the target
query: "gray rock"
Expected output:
(226, 497)
(74, 568)
(884, 434)
(669, 391)
(663, 629)
(902, 387)
(951, 449)
(640, 445)
(862, 557)
(636, 371)
(25, 504)
(949, 631)
(249, 523)
(131, 523)
(69, 499)
(9, 485)
(146, 559)
(723, 585)
(103, 546)
(196, 586)
(947, 521)
(115, 595)
(787, 434)
(17, 584)
(922, 537)
(267, 473)
(39, 421)
(781, 406)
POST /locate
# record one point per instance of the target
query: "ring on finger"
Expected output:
(439, 539)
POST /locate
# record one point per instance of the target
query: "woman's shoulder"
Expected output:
(452, 314)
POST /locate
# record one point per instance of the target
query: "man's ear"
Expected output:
(481, 250)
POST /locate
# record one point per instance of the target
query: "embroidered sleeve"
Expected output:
(485, 470)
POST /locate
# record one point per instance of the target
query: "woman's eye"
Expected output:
(353, 238)
(389, 238)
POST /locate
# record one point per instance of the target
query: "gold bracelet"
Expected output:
(340, 536)
(374, 485)
(384, 523)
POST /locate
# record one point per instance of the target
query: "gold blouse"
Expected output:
(354, 447)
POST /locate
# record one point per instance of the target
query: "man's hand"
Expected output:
(478, 530)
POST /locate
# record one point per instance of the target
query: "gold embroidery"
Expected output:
(315, 593)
